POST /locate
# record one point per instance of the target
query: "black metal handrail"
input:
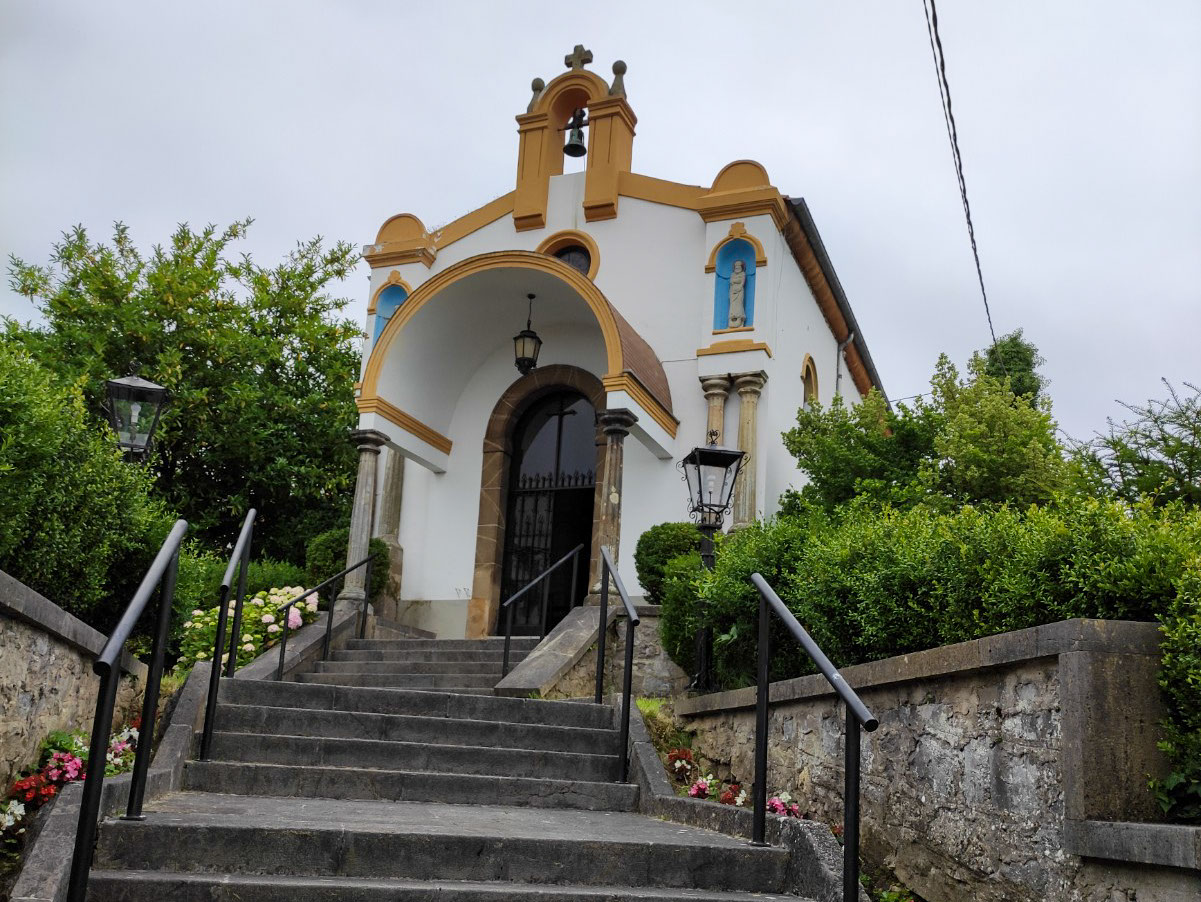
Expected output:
(329, 614)
(507, 605)
(609, 571)
(164, 571)
(770, 601)
(239, 561)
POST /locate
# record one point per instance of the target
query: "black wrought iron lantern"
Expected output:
(711, 472)
(134, 407)
(527, 344)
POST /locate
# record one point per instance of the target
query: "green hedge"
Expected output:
(655, 548)
(679, 621)
(872, 584)
(77, 523)
(326, 555)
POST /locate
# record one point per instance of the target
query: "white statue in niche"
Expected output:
(738, 295)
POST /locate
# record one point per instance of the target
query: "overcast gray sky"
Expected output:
(1079, 124)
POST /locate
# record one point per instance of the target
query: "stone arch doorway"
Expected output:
(515, 412)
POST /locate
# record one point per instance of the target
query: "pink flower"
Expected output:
(699, 790)
(295, 621)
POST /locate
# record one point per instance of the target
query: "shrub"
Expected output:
(679, 618)
(655, 548)
(77, 523)
(262, 626)
(200, 575)
(1180, 678)
(326, 555)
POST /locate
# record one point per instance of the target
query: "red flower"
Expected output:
(730, 796)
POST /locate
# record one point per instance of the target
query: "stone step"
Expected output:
(479, 668)
(406, 786)
(426, 655)
(432, 841)
(179, 886)
(453, 681)
(265, 748)
(492, 643)
(414, 728)
(416, 702)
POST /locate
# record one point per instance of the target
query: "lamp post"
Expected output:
(710, 472)
(134, 407)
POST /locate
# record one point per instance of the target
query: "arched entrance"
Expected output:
(549, 508)
(513, 420)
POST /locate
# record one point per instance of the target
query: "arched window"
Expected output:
(386, 303)
(809, 381)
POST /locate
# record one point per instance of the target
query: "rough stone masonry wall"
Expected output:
(987, 755)
(46, 678)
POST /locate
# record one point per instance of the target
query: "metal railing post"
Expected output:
(602, 632)
(504, 667)
(850, 816)
(545, 607)
(575, 580)
(235, 631)
(759, 794)
(329, 625)
(626, 685)
(283, 647)
(93, 784)
(141, 760)
(210, 708)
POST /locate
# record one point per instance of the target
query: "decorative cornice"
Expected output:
(407, 422)
(737, 231)
(733, 347)
(629, 383)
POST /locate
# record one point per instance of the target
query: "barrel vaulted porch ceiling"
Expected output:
(463, 318)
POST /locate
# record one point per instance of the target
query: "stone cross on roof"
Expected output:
(578, 57)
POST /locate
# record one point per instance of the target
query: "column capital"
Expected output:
(370, 440)
(750, 383)
(617, 421)
(716, 386)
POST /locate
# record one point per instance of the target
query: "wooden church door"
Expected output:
(549, 508)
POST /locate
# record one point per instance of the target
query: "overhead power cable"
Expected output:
(944, 90)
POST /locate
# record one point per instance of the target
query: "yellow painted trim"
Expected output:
(737, 231)
(393, 279)
(569, 238)
(472, 222)
(401, 239)
(427, 290)
(733, 347)
(629, 383)
(734, 329)
(808, 366)
(407, 422)
(659, 191)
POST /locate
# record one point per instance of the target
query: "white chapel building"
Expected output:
(665, 311)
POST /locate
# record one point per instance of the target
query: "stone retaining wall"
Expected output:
(999, 769)
(46, 678)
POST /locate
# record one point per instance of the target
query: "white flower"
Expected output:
(273, 628)
(200, 656)
(312, 605)
(246, 637)
(249, 646)
(187, 624)
(198, 613)
(268, 618)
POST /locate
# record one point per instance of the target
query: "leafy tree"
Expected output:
(1156, 456)
(260, 368)
(1014, 358)
(991, 448)
(77, 523)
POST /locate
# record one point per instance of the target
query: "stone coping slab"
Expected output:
(23, 603)
(1170, 845)
(1125, 637)
(304, 647)
(542, 668)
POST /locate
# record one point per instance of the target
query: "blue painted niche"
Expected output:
(738, 249)
(386, 304)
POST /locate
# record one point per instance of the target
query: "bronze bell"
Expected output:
(575, 146)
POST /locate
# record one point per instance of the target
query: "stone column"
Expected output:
(387, 527)
(716, 388)
(362, 514)
(748, 386)
(616, 424)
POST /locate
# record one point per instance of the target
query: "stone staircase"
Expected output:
(392, 774)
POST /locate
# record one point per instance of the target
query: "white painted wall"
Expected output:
(652, 260)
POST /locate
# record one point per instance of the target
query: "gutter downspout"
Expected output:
(842, 346)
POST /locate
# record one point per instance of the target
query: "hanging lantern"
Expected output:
(527, 344)
(134, 407)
